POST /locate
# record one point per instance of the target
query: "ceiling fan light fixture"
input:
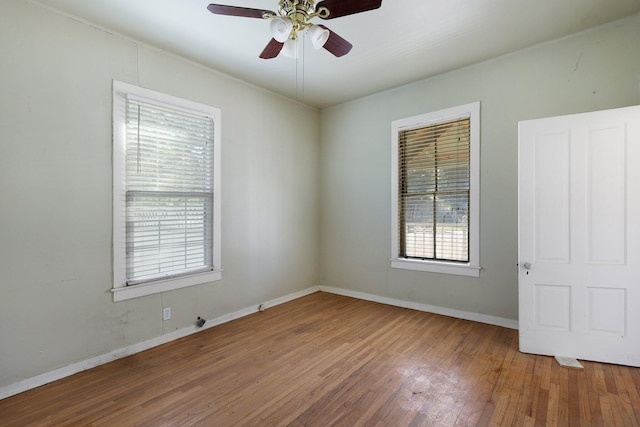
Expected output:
(290, 48)
(293, 18)
(318, 36)
(281, 29)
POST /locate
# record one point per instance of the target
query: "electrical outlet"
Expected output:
(166, 313)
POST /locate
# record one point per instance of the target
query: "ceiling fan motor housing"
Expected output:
(291, 9)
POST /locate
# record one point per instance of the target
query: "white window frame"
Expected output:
(120, 289)
(472, 268)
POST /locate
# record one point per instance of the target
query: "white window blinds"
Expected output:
(169, 191)
(434, 191)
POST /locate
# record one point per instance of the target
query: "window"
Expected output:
(166, 178)
(435, 191)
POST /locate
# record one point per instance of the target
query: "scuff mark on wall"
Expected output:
(577, 63)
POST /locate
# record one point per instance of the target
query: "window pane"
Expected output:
(169, 189)
(167, 233)
(421, 180)
(452, 230)
(418, 227)
(434, 183)
(453, 177)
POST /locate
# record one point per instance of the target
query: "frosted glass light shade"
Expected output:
(318, 36)
(290, 48)
(280, 29)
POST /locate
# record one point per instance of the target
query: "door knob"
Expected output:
(527, 265)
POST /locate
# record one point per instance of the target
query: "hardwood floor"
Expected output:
(326, 360)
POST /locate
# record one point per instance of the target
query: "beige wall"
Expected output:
(55, 192)
(594, 70)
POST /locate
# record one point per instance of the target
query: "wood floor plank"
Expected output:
(328, 360)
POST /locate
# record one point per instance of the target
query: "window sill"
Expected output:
(129, 292)
(437, 267)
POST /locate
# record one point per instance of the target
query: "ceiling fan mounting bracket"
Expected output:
(292, 8)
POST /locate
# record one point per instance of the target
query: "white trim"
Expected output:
(437, 267)
(142, 289)
(466, 315)
(57, 374)
(120, 289)
(471, 110)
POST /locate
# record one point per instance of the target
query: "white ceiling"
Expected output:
(401, 42)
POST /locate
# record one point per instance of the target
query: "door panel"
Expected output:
(579, 238)
(552, 197)
(606, 195)
(607, 310)
(553, 307)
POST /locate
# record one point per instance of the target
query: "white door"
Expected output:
(579, 236)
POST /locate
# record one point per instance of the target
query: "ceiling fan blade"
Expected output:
(272, 50)
(338, 8)
(336, 44)
(221, 9)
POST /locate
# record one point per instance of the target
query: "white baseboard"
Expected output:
(476, 317)
(74, 368)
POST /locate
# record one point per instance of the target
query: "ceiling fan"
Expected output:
(294, 16)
